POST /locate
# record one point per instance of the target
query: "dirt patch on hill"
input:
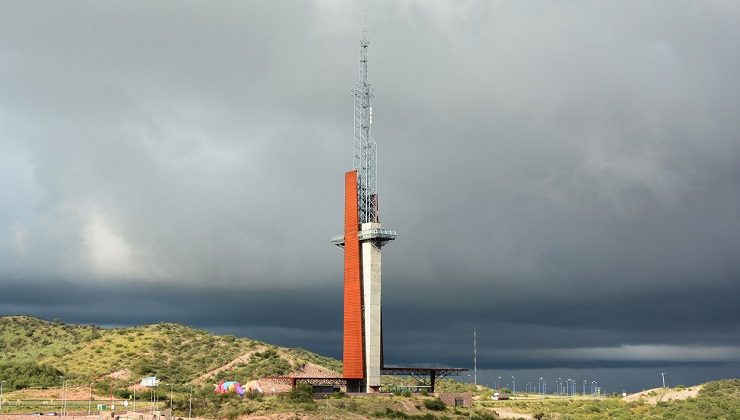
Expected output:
(311, 370)
(656, 395)
(239, 359)
(408, 406)
(507, 413)
(120, 374)
(79, 394)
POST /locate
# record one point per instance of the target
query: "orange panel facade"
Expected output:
(353, 350)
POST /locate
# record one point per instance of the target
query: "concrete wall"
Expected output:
(30, 417)
(449, 398)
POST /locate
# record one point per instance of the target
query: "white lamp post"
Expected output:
(89, 403)
(1, 396)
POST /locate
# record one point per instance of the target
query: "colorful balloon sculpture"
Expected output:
(253, 386)
(230, 386)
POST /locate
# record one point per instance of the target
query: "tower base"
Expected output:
(355, 385)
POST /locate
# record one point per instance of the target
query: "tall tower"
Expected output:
(362, 241)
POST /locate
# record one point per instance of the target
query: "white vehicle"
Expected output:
(501, 396)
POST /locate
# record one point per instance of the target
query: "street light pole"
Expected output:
(1, 396)
(475, 358)
(64, 397)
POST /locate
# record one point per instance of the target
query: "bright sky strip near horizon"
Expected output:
(564, 176)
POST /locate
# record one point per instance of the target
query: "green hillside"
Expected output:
(35, 353)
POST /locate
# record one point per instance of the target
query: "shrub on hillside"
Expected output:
(434, 404)
(19, 375)
(303, 393)
(253, 395)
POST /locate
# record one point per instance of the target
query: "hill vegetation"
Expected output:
(715, 400)
(36, 353)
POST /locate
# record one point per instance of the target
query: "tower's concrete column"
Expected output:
(371, 300)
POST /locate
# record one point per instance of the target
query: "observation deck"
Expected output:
(378, 235)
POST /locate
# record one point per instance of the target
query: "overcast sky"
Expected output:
(563, 175)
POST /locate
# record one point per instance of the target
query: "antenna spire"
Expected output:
(364, 22)
(365, 149)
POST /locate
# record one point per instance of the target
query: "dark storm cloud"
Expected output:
(563, 176)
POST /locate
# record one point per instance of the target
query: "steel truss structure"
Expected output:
(365, 153)
(293, 381)
(427, 376)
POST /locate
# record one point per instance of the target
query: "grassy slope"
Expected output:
(716, 400)
(174, 353)
(28, 339)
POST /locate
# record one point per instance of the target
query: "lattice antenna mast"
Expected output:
(365, 159)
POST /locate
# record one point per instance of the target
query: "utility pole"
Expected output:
(663, 375)
(89, 403)
(64, 393)
(190, 404)
(1, 396)
(475, 358)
